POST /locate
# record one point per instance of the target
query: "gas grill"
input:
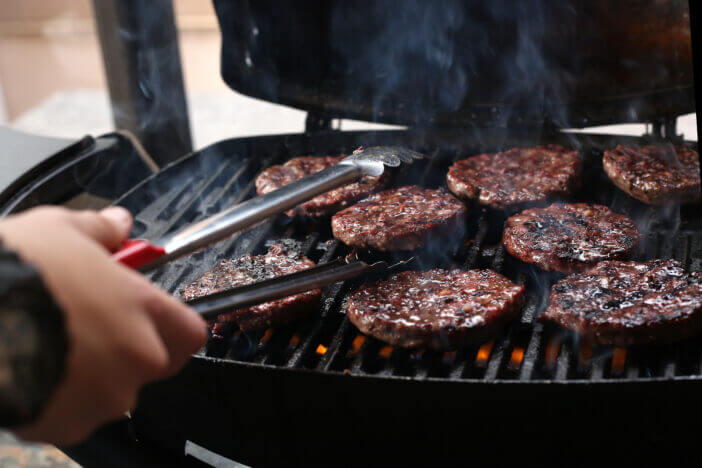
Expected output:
(320, 393)
(337, 389)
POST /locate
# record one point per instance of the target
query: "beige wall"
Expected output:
(50, 45)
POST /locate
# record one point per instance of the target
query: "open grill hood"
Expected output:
(459, 63)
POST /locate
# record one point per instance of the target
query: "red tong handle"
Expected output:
(136, 253)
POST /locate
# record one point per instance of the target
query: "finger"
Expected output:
(109, 227)
(182, 330)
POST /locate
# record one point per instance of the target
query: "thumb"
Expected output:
(109, 227)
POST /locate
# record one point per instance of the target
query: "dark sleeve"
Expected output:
(33, 342)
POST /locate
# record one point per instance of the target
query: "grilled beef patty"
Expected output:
(439, 309)
(327, 203)
(655, 174)
(626, 303)
(249, 269)
(403, 218)
(518, 177)
(569, 237)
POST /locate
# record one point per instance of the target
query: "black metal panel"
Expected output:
(459, 63)
(271, 398)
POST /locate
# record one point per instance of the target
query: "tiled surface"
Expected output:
(14, 454)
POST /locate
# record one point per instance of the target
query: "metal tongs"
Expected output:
(145, 256)
(316, 277)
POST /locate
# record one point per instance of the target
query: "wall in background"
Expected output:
(48, 46)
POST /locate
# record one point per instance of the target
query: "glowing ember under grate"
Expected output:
(483, 354)
(618, 361)
(267, 336)
(515, 361)
(294, 340)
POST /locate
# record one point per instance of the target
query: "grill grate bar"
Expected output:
(498, 350)
(179, 207)
(335, 346)
(597, 369)
(531, 353)
(563, 362)
(368, 351)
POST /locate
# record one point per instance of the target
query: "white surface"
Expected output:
(3, 108)
(213, 117)
(216, 116)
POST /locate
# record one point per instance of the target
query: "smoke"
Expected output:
(425, 62)
(402, 51)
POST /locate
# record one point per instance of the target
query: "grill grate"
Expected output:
(328, 342)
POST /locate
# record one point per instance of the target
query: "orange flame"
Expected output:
(355, 346)
(584, 354)
(294, 340)
(618, 360)
(357, 343)
(321, 350)
(385, 352)
(516, 359)
(267, 336)
(484, 354)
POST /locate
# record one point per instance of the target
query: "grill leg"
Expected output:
(665, 129)
(142, 62)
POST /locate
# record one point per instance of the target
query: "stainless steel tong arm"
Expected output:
(316, 277)
(244, 296)
(370, 161)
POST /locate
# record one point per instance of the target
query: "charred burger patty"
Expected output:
(440, 309)
(655, 174)
(517, 177)
(252, 268)
(626, 303)
(569, 237)
(327, 203)
(402, 218)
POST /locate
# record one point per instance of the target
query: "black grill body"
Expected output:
(571, 63)
(318, 393)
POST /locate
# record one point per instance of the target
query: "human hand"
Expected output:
(123, 331)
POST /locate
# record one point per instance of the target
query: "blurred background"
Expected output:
(52, 80)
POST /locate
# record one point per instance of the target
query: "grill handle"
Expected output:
(251, 294)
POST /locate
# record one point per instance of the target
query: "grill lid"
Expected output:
(464, 62)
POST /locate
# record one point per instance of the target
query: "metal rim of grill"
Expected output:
(525, 351)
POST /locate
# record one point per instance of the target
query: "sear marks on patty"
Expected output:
(626, 303)
(518, 177)
(327, 203)
(402, 218)
(252, 268)
(569, 237)
(439, 309)
(655, 174)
